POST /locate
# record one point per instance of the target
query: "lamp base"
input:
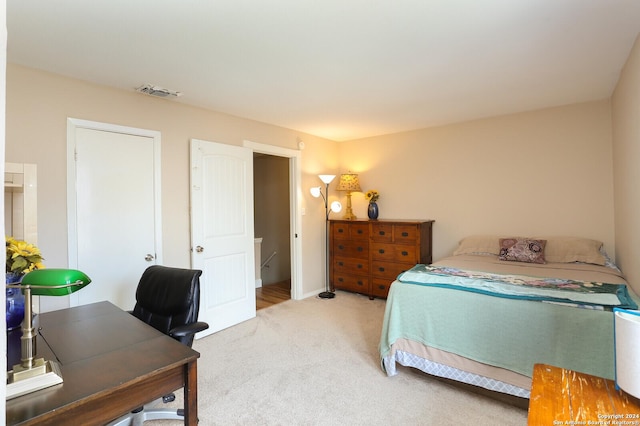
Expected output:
(40, 367)
(327, 295)
(349, 215)
(22, 381)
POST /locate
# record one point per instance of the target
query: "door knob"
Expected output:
(149, 257)
(199, 249)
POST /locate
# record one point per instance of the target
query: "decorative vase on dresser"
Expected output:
(366, 256)
(372, 211)
(15, 301)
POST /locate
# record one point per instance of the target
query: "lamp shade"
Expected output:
(55, 282)
(316, 191)
(349, 182)
(326, 178)
(626, 326)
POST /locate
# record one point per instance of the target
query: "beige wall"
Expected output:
(626, 158)
(39, 103)
(544, 172)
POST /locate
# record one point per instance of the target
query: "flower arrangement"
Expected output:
(372, 195)
(22, 257)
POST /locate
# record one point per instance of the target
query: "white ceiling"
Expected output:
(339, 69)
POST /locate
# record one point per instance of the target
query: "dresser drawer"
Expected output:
(382, 232)
(358, 284)
(380, 287)
(347, 265)
(388, 270)
(394, 253)
(351, 231)
(405, 234)
(351, 248)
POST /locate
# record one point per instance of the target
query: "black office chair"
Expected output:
(168, 299)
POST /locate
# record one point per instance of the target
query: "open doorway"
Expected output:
(272, 229)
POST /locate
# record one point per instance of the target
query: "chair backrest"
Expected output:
(168, 297)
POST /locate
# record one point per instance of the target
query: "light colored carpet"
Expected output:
(315, 362)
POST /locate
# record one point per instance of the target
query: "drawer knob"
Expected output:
(382, 287)
(405, 234)
(340, 263)
(381, 232)
(340, 279)
(359, 266)
(360, 249)
(381, 269)
(340, 230)
(359, 231)
(360, 283)
(341, 247)
(404, 253)
(381, 251)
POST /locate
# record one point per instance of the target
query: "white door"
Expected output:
(222, 232)
(115, 210)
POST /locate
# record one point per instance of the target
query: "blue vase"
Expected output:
(372, 211)
(15, 302)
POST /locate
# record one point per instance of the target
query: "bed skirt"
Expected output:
(451, 366)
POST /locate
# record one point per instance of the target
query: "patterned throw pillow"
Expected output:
(522, 250)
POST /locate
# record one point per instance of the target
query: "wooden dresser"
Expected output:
(365, 256)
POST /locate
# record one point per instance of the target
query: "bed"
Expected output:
(485, 315)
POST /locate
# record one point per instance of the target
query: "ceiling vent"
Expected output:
(158, 91)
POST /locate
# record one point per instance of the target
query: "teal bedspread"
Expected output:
(523, 287)
(503, 332)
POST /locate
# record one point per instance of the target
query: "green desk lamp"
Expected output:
(41, 282)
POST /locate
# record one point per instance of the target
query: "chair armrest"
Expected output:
(186, 330)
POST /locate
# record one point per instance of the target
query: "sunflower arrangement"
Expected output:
(22, 257)
(372, 195)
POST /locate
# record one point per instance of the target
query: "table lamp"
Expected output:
(41, 282)
(349, 182)
(626, 337)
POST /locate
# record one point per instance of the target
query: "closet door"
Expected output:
(116, 212)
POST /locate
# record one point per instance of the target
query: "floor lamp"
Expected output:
(335, 207)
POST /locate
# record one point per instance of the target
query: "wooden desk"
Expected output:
(111, 364)
(560, 397)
